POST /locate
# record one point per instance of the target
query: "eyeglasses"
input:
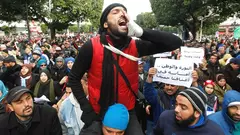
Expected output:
(43, 65)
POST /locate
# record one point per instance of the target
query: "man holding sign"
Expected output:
(160, 100)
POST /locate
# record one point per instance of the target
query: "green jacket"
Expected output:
(220, 92)
(237, 131)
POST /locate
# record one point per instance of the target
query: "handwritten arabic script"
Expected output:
(176, 72)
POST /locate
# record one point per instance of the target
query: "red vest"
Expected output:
(130, 68)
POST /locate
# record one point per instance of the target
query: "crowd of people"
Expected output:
(103, 84)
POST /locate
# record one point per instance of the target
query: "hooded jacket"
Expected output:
(167, 126)
(222, 118)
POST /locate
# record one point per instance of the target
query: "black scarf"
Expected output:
(107, 94)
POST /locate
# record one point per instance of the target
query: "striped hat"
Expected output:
(197, 98)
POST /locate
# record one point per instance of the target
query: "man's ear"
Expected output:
(197, 114)
(10, 107)
(105, 25)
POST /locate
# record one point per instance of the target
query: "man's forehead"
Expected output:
(112, 129)
(183, 100)
(119, 8)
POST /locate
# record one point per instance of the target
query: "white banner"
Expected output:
(195, 55)
(175, 72)
(165, 54)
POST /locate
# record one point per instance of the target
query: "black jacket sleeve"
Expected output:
(81, 65)
(153, 42)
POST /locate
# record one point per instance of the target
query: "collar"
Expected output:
(13, 118)
(199, 123)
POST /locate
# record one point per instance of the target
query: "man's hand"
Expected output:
(151, 72)
(134, 30)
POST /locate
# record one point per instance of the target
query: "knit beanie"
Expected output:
(208, 82)
(116, 117)
(59, 59)
(219, 77)
(69, 59)
(197, 98)
(105, 14)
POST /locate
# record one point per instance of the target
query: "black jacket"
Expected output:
(35, 79)
(58, 73)
(44, 122)
(9, 76)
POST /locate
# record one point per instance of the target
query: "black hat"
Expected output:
(1, 58)
(197, 98)
(16, 93)
(105, 14)
(9, 59)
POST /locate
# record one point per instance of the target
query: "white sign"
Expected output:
(195, 55)
(175, 72)
(165, 54)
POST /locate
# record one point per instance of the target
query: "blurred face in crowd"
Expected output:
(70, 64)
(221, 50)
(43, 77)
(185, 114)
(23, 107)
(111, 131)
(35, 57)
(27, 50)
(213, 59)
(195, 76)
(59, 63)
(68, 91)
(234, 66)
(67, 44)
(222, 82)
(24, 70)
(7, 64)
(209, 88)
(43, 48)
(140, 68)
(208, 45)
(170, 89)
(43, 66)
(234, 113)
(116, 22)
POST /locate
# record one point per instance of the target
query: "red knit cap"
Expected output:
(208, 82)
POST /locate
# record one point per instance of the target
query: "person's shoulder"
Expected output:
(214, 128)
(167, 114)
(4, 120)
(216, 116)
(46, 109)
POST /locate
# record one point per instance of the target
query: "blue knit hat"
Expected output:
(69, 59)
(116, 117)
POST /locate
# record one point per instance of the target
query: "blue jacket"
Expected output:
(221, 117)
(3, 90)
(158, 100)
(167, 126)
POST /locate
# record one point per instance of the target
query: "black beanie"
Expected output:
(197, 98)
(10, 58)
(105, 14)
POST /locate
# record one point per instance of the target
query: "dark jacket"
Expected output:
(159, 100)
(44, 122)
(35, 79)
(9, 76)
(231, 77)
(222, 118)
(167, 126)
(58, 73)
(212, 70)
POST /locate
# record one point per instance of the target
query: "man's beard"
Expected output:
(187, 122)
(115, 32)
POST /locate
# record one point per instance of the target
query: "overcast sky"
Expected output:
(134, 7)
